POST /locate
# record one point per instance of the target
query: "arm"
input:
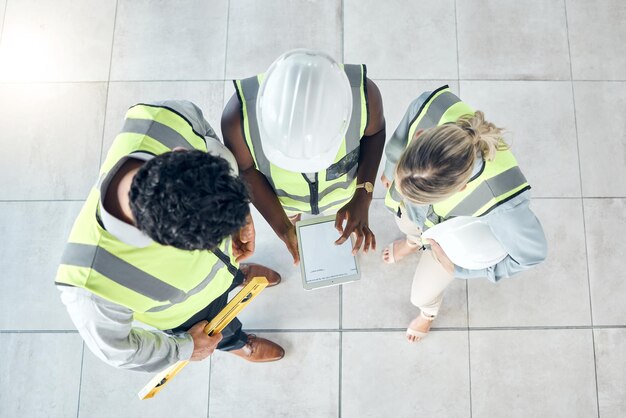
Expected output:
(398, 141)
(107, 330)
(521, 234)
(355, 212)
(263, 196)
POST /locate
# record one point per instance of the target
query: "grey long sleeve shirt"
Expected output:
(106, 327)
(513, 223)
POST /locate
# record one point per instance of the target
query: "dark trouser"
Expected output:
(233, 337)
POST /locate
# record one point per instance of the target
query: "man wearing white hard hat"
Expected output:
(308, 136)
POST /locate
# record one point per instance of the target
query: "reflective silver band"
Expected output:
(494, 187)
(120, 272)
(156, 130)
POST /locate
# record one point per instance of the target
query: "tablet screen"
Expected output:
(322, 259)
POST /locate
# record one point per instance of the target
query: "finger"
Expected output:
(293, 250)
(360, 236)
(346, 233)
(373, 240)
(339, 221)
(367, 243)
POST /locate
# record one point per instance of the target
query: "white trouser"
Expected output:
(430, 279)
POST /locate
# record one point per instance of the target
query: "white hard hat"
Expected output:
(468, 242)
(303, 110)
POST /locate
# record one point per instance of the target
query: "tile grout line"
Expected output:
(80, 378)
(215, 80)
(340, 366)
(4, 19)
(456, 36)
(375, 330)
(467, 312)
(226, 49)
(582, 205)
(106, 99)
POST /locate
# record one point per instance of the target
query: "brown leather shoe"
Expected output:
(251, 270)
(259, 350)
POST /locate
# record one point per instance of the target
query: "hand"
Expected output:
(203, 345)
(243, 240)
(440, 255)
(291, 241)
(386, 182)
(355, 213)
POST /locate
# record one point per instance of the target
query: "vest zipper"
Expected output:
(314, 194)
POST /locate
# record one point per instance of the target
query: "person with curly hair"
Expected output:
(159, 241)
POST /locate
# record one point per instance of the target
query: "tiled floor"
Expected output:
(548, 343)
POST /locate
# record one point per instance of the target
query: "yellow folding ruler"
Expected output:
(217, 324)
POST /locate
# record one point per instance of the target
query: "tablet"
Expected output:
(322, 263)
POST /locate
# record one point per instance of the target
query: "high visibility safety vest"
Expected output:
(331, 188)
(163, 286)
(499, 180)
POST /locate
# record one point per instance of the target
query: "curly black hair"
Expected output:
(189, 200)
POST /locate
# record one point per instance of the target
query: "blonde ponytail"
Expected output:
(486, 137)
(441, 161)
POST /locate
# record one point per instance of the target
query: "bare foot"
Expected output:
(419, 327)
(401, 249)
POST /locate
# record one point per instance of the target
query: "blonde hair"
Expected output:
(440, 162)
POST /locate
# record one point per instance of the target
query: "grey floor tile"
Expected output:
(104, 386)
(384, 376)
(493, 44)
(174, 41)
(539, 119)
(610, 366)
(538, 373)
(397, 96)
(381, 298)
(595, 33)
(555, 293)
(40, 375)
(288, 305)
(601, 117)
(56, 41)
(401, 39)
(305, 383)
(32, 244)
(208, 95)
(606, 228)
(258, 32)
(69, 122)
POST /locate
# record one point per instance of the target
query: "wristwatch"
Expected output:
(369, 187)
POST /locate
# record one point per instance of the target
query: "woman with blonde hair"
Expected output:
(445, 160)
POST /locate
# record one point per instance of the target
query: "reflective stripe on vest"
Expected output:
(333, 186)
(500, 179)
(162, 285)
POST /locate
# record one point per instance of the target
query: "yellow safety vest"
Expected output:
(332, 187)
(499, 181)
(162, 285)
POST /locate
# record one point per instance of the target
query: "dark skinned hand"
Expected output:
(355, 214)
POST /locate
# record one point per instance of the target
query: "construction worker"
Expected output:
(159, 241)
(308, 136)
(443, 161)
